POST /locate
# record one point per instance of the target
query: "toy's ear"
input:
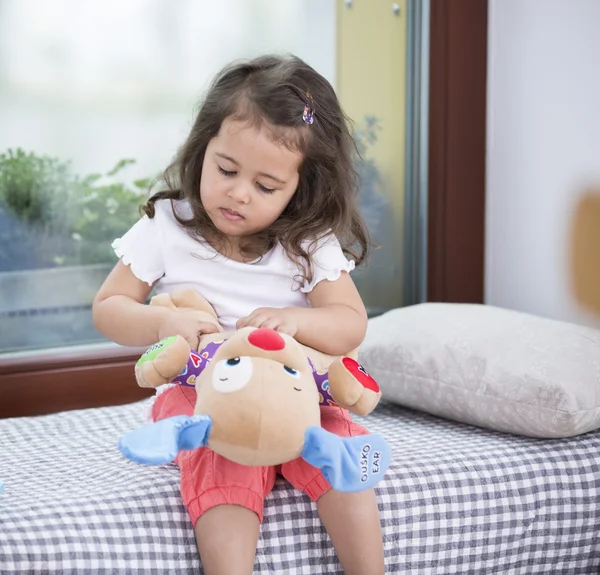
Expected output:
(163, 299)
(191, 299)
(160, 442)
(187, 298)
(348, 463)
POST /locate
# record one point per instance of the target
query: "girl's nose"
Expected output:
(240, 193)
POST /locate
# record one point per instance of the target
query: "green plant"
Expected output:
(365, 137)
(105, 209)
(30, 186)
(372, 200)
(51, 217)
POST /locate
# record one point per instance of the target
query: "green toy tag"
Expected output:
(151, 353)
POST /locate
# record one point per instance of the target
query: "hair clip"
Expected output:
(309, 114)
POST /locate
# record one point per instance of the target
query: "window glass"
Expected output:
(96, 97)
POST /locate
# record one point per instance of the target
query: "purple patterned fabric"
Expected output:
(196, 363)
(322, 380)
(199, 360)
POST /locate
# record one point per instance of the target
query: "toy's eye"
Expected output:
(291, 371)
(232, 374)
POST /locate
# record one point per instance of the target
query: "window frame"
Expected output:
(83, 377)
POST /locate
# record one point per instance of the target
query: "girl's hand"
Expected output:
(185, 324)
(279, 319)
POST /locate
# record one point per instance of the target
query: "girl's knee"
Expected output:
(218, 499)
(208, 480)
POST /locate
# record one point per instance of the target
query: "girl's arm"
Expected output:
(336, 322)
(121, 315)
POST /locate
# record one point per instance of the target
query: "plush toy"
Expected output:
(258, 401)
(585, 251)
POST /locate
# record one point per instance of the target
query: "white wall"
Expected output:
(543, 148)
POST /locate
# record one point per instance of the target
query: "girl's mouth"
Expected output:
(231, 215)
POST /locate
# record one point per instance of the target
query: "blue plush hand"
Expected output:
(160, 442)
(348, 463)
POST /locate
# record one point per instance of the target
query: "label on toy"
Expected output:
(151, 353)
(370, 462)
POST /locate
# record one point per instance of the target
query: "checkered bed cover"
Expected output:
(457, 499)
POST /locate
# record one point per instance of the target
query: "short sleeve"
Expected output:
(328, 262)
(141, 249)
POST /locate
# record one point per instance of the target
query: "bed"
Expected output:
(457, 499)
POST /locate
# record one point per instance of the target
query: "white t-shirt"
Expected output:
(159, 249)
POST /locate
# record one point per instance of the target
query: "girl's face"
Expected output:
(247, 179)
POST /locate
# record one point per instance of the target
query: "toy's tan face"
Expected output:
(260, 392)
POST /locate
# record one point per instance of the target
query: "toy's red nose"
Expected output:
(266, 339)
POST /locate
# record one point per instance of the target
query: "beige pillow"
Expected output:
(487, 366)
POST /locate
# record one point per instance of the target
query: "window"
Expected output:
(96, 97)
(69, 94)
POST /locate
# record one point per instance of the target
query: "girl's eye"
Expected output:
(265, 190)
(291, 370)
(229, 174)
(225, 172)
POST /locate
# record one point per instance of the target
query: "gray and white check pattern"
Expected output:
(457, 499)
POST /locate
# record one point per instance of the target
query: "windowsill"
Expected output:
(67, 357)
(82, 355)
(77, 377)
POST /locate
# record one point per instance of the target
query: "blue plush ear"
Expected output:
(160, 442)
(348, 463)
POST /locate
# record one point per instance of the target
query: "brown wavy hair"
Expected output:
(271, 91)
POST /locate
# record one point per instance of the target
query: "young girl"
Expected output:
(260, 201)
